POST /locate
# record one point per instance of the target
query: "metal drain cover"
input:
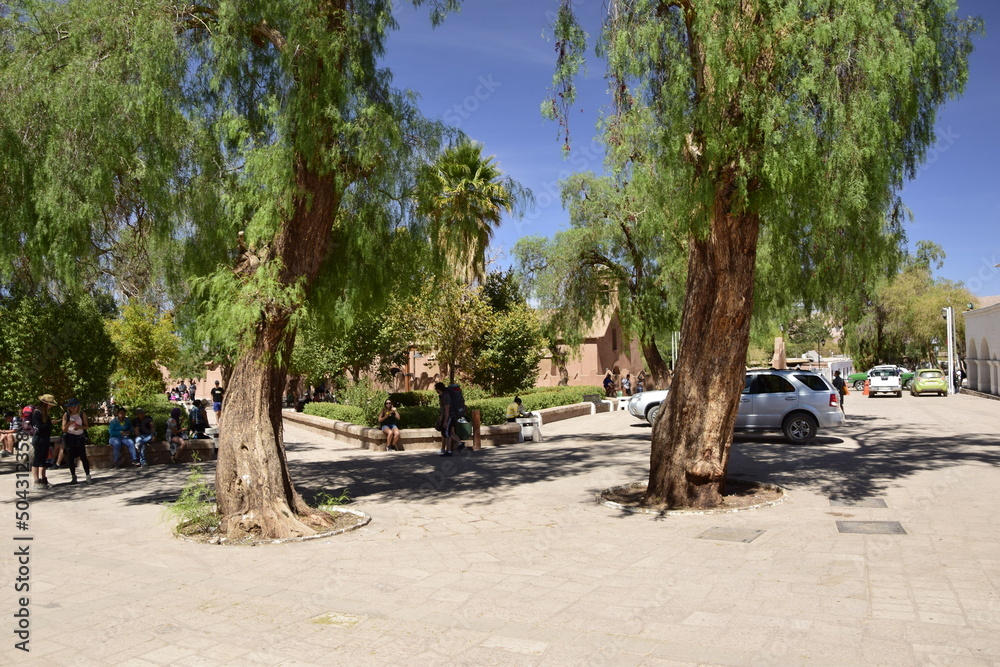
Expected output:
(745, 535)
(860, 502)
(871, 527)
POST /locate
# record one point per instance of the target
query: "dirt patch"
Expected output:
(345, 520)
(737, 495)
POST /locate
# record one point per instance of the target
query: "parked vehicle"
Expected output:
(929, 381)
(857, 380)
(795, 402)
(885, 380)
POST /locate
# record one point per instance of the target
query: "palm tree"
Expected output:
(464, 195)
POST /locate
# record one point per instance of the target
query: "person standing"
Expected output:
(446, 420)
(120, 433)
(217, 395)
(74, 428)
(193, 389)
(627, 385)
(841, 387)
(144, 430)
(41, 422)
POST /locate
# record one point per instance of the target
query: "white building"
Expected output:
(982, 345)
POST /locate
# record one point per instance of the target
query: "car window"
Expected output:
(814, 382)
(931, 374)
(885, 373)
(747, 383)
(772, 384)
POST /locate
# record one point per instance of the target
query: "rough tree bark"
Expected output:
(658, 370)
(693, 435)
(255, 491)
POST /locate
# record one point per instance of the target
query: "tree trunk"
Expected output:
(693, 434)
(658, 370)
(253, 487)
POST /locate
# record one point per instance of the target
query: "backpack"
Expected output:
(457, 400)
(26, 414)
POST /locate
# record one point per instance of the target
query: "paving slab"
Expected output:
(503, 557)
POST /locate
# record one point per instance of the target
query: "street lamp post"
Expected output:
(819, 355)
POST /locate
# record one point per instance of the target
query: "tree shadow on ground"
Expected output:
(424, 475)
(863, 463)
(859, 461)
(156, 485)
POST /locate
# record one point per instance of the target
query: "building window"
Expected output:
(614, 340)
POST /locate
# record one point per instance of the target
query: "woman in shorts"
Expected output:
(74, 428)
(387, 421)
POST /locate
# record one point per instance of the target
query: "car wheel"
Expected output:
(651, 414)
(899, 394)
(859, 385)
(799, 428)
(906, 385)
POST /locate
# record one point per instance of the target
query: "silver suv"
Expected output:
(797, 403)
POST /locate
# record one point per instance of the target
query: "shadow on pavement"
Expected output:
(860, 461)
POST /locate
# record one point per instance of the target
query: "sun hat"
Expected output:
(72, 403)
(48, 399)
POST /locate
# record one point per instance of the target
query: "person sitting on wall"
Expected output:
(609, 386)
(515, 410)
(388, 421)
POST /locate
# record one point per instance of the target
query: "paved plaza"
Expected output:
(503, 558)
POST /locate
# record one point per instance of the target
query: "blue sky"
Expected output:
(488, 68)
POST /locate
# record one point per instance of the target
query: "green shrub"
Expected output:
(418, 416)
(98, 434)
(344, 413)
(194, 509)
(366, 397)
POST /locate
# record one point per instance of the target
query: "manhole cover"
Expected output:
(860, 502)
(745, 535)
(871, 527)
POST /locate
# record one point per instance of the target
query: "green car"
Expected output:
(857, 380)
(929, 381)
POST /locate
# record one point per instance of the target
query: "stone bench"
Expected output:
(157, 453)
(428, 438)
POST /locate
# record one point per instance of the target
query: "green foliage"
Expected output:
(451, 321)
(367, 397)
(194, 510)
(508, 360)
(324, 499)
(50, 345)
(619, 255)
(902, 317)
(337, 411)
(807, 116)
(464, 195)
(142, 339)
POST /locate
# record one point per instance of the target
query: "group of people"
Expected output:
(610, 387)
(36, 423)
(183, 392)
(134, 434)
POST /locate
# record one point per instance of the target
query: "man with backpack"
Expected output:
(448, 416)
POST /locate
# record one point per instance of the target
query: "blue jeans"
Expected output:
(140, 445)
(116, 448)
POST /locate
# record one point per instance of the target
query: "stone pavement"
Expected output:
(504, 558)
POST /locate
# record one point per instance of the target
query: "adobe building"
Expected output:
(605, 349)
(982, 345)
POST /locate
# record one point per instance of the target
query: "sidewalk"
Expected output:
(503, 557)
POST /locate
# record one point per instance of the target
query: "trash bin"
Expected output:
(463, 428)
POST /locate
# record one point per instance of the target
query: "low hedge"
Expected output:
(338, 411)
(419, 409)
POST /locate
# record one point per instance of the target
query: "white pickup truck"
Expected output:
(885, 380)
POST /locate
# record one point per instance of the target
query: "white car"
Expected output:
(794, 402)
(885, 380)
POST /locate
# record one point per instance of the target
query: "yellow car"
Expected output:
(929, 381)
